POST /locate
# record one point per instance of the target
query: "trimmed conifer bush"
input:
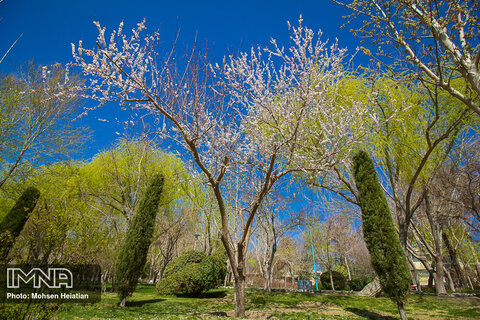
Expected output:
(386, 254)
(133, 255)
(13, 223)
(192, 273)
(339, 280)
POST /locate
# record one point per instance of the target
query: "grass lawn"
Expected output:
(147, 304)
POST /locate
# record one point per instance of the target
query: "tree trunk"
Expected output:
(439, 275)
(331, 279)
(451, 284)
(402, 227)
(123, 301)
(401, 311)
(268, 276)
(414, 273)
(239, 296)
(454, 261)
(470, 282)
(104, 281)
(268, 268)
(239, 277)
(430, 279)
(348, 268)
(477, 268)
(228, 274)
(112, 279)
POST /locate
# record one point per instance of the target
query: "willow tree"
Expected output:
(247, 119)
(379, 233)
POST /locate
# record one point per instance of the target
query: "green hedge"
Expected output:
(192, 273)
(359, 284)
(338, 280)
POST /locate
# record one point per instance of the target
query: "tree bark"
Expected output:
(123, 301)
(451, 284)
(454, 261)
(239, 279)
(402, 227)
(331, 279)
(430, 279)
(268, 287)
(104, 281)
(439, 275)
(348, 268)
(239, 294)
(401, 311)
(268, 268)
(414, 273)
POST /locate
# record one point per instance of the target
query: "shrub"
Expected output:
(12, 224)
(338, 280)
(38, 311)
(469, 290)
(358, 284)
(192, 273)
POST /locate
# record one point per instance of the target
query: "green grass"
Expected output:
(147, 304)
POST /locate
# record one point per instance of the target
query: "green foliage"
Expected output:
(85, 208)
(36, 109)
(339, 280)
(16, 218)
(133, 255)
(359, 284)
(192, 273)
(124, 172)
(12, 224)
(380, 235)
(37, 311)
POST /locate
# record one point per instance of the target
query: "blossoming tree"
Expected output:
(262, 116)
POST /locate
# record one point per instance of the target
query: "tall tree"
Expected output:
(133, 255)
(36, 109)
(380, 235)
(253, 123)
(408, 152)
(275, 219)
(435, 40)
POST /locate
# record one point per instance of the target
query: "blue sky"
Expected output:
(49, 27)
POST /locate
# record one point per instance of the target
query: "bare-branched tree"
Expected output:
(437, 40)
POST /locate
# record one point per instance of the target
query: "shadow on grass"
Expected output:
(369, 315)
(214, 294)
(141, 303)
(206, 295)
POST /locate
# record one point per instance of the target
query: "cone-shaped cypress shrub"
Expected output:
(388, 258)
(133, 254)
(13, 223)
